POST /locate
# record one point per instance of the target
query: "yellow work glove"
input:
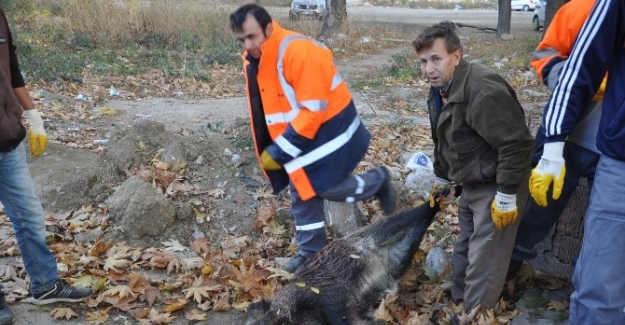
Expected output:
(37, 136)
(267, 162)
(503, 210)
(599, 95)
(442, 192)
(550, 169)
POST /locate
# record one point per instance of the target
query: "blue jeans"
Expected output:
(23, 208)
(537, 221)
(599, 296)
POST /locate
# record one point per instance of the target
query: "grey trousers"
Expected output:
(481, 252)
(310, 231)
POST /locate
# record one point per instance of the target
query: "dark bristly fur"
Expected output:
(352, 274)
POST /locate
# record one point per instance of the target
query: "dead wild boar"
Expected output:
(345, 281)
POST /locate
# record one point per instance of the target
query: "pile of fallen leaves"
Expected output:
(156, 285)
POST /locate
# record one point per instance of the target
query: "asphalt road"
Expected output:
(520, 21)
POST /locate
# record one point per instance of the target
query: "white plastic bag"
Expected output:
(422, 176)
(420, 160)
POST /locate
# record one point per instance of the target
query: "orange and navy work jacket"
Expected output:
(557, 43)
(302, 113)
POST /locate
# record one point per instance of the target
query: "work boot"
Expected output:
(61, 292)
(6, 315)
(387, 194)
(294, 263)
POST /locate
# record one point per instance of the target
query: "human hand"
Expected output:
(37, 136)
(442, 192)
(599, 95)
(504, 210)
(550, 169)
(267, 162)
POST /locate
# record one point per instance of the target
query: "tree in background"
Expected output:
(504, 16)
(335, 19)
(550, 11)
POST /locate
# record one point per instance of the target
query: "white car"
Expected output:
(538, 21)
(308, 8)
(524, 5)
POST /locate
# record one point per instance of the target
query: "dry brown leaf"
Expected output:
(273, 227)
(100, 247)
(175, 305)
(195, 314)
(154, 317)
(232, 245)
(121, 290)
(98, 317)
(63, 312)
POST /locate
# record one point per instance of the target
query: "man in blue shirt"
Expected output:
(599, 287)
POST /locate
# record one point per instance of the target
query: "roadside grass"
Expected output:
(69, 40)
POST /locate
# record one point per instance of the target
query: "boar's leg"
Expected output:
(395, 228)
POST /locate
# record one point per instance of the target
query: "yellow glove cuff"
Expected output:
(268, 163)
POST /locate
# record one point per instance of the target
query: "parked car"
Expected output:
(538, 21)
(524, 5)
(308, 8)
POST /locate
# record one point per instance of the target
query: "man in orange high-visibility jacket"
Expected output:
(306, 129)
(579, 152)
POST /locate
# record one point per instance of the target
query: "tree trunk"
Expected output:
(503, 20)
(550, 11)
(335, 19)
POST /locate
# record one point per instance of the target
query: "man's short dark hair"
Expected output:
(238, 17)
(445, 29)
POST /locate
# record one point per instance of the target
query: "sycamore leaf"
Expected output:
(84, 280)
(278, 272)
(121, 290)
(98, 317)
(175, 305)
(7, 271)
(116, 261)
(195, 314)
(63, 312)
(232, 245)
(173, 245)
(273, 227)
(155, 318)
(197, 293)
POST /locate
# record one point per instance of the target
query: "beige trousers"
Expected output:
(482, 253)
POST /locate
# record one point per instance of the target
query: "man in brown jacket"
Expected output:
(482, 142)
(17, 192)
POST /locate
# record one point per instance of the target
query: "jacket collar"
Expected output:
(273, 41)
(456, 93)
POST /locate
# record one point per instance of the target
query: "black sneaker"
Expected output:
(387, 194)
(294, 263)
(6, 315)
(61, 292)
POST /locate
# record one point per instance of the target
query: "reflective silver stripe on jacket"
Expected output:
(324, 150)
(289, 92)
